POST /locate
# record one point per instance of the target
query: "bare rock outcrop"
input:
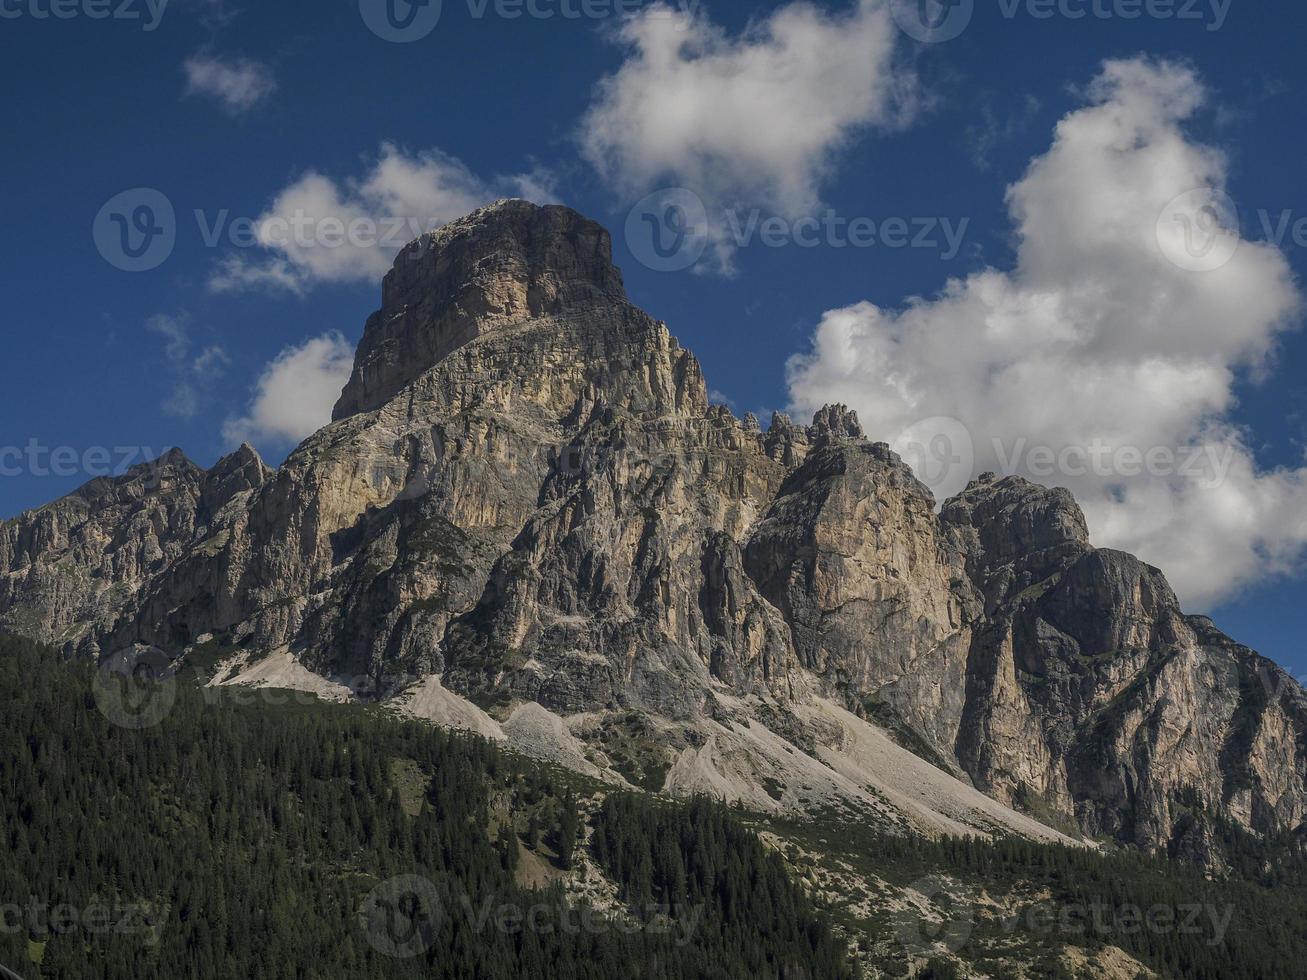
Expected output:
(525, 501)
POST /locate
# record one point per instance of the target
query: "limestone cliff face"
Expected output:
(1089, 693)
(69, 570)
(526, 494)
(472, 277)
(852, 554)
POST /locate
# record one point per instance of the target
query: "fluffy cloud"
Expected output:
(191, 377)
(295, 394)
(320, 230)
(749, 120)
(238, 84)
(1105, 359)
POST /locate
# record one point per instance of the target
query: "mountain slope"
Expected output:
(527, 517)
(334, 841)
(240, 841)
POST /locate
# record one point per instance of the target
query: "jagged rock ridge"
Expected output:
(526, 501)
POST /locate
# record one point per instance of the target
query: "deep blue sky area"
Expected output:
(96, 107)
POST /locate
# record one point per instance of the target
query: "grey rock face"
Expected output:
(526, 492)
(1090, 694)
(68, 570)
(1014, 533)
(472, 276)
(850, 551)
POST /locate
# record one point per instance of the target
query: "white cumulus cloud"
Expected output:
(749, 120)
(295, 393)
(1105, 359)
(238, 84)
(323, 230)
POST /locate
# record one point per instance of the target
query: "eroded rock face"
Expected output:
(526, 493)
(69, 570)
(1090, 694)
(852, 554)
(471, 277)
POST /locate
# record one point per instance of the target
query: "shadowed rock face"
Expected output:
(1089, 693)
(526, 492)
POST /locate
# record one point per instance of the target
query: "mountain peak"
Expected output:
(506, 263)
(545, 515)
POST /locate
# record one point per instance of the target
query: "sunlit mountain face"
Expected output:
(814, 489)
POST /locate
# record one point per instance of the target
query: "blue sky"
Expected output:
(760, 110)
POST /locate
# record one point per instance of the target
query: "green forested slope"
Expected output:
(323, 842)
(237, 840)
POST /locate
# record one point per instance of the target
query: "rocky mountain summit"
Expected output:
(527, 519)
